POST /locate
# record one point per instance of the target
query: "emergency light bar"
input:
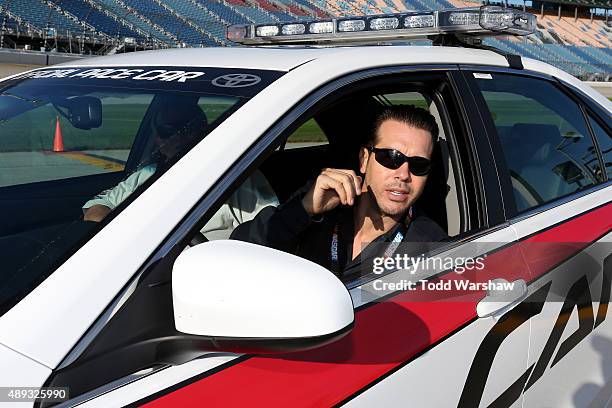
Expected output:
(471, 21)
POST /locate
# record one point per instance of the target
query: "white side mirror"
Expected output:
(250, 298)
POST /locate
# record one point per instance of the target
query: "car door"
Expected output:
(405, 344)
(561, 194)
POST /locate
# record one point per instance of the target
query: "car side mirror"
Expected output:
(83, 112)
(253, 299)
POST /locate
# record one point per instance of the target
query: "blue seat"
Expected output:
(169, 22)
(42, 16)
(91, 15)
(224, 12)
(256, 14)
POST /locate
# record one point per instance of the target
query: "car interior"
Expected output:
(342, 126)
(530, 148)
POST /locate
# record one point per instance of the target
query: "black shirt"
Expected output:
(289, 228)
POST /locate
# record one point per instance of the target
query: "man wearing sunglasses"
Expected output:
(343, 215)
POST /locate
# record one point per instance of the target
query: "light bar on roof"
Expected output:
(420, 21)
(321, 27)
(384, 23)
(345, 26)
(472, 21)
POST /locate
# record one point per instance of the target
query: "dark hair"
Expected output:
(409, 114)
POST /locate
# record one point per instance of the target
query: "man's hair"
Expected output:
(410, 115)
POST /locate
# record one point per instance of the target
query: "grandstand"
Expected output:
(575, 35)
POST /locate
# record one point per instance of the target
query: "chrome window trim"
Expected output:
(507, 70)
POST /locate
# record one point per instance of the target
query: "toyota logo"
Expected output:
(236, 80)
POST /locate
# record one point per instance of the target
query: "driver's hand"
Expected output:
(96, 213)
(332, 188)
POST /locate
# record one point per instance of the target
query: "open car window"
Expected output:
(331, 137)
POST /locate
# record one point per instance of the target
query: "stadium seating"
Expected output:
(597, 55)
(274, 10)
(570, 59)
(84, 11)
(255, 14)
(297, 11)
(135, 19)
(201, 17)
(594, 56)
(574, 43)
(11, 25)
(170, 22)
(225, 12)
(319, 11)
(42, 16)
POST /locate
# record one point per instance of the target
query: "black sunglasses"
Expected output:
(165, 131)
(168, 130)
(393, 159)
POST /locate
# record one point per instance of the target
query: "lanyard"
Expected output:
(334, 249)
(399, 236)
(389, 251)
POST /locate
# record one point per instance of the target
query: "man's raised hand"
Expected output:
(332, 188)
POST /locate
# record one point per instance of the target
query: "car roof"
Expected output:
(285, 58)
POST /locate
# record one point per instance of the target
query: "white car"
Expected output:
(150, 305)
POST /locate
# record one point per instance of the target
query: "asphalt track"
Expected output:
(28, 167)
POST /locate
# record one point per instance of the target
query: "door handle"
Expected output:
(501, 297)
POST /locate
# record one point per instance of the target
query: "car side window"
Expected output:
(545, 141)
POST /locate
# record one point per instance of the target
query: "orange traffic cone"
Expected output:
(58, 140)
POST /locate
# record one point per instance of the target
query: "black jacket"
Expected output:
(289, 228)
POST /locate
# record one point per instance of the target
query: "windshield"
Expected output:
(77, 144)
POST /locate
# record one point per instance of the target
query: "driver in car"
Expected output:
(342, 214)
(174, 130)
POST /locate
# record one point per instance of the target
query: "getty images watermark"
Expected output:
(424, 267)
(412, 264)
(484, 272)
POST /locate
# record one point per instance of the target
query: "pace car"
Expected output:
(147, 307)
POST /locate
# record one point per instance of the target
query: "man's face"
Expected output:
(395, 190)
(168, 146)
(173, 131)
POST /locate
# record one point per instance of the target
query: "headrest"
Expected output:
(533, 142)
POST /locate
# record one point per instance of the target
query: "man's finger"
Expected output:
(355, 179)
(347, 183)
(329, 183)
